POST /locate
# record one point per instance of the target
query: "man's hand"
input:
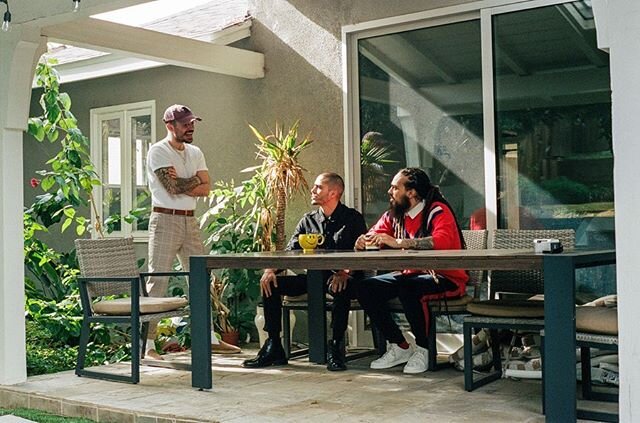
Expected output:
(268, 278)
(171, 171)
(361, 242)
(386, 239)
(338, 282)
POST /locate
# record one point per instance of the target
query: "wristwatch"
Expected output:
(399, 242)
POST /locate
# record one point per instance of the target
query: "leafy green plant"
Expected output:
(375, 154)
(281, 170)
(236, 223)
(52, 302)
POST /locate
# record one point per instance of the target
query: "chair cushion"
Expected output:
(148, 305)
(597, 320)
(507, 308)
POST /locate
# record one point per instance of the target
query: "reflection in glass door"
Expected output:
(553, 122)
(421, 106)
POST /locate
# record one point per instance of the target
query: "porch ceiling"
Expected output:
(160, 47)
(53, 19)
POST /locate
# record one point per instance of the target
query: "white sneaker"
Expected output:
(394, 356)
(419, 361)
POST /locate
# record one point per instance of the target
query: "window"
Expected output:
(121, 136)
(507, 108)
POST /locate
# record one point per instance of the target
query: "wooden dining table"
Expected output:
(559, 290)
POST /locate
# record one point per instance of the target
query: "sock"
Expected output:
(404, 345)
(151, 344)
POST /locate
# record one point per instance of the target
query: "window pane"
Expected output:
(426, 105)
(553, 125)
(111, 174)
(140, 142)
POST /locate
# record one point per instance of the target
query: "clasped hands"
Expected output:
(337, 282)
(376, 239)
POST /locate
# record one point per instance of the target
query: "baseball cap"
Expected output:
(179, 113)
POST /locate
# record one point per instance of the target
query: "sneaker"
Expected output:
(394, 356)
(419, 361)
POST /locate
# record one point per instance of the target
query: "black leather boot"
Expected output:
(335, 356)
(271, 354)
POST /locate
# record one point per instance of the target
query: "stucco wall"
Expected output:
(223, 102)
(301, 40)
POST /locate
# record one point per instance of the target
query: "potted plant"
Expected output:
(235, 223)
(242, 218)
(281, 170)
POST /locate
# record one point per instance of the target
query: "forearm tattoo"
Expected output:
(178, 185)
(423, 243)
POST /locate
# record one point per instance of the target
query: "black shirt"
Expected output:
(340, 230)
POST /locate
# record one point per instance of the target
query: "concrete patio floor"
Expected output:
(294, 393)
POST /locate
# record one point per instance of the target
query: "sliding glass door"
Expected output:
(507, 109)
(421, 106)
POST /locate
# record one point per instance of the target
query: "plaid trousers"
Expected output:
(170, 236)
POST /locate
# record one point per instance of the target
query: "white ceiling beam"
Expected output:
(151, 45)
(422, 54)
(576, 35)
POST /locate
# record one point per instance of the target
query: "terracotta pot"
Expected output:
(232, 338)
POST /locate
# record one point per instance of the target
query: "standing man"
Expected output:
(418, 218)
(340, 226)
(177, 175)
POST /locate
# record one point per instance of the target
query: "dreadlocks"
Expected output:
(418, 180)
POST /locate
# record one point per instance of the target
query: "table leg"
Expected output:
(317, 319)
(560, 339)
(200, 304)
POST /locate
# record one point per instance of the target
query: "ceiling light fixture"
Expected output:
(76, 5)
(6, 20)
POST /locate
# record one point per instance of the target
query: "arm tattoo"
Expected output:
(178, 185)
(423, 243)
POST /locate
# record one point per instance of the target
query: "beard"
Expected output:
(397, 209)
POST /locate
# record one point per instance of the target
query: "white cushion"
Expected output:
(148, 305)
(597, 320)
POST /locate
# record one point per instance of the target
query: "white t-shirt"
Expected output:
(187, 163)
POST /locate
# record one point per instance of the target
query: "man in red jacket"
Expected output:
(418, 218)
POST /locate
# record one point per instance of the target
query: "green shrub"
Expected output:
(47, 353)
(41, 416)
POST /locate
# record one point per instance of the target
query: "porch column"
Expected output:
(618, 27)
(19, 51)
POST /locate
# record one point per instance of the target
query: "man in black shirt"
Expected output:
(341, 226)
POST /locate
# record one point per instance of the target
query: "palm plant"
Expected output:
(375, 153)
(281, 169)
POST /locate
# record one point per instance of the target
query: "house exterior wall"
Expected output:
(623, 34)
(302, 44)
(223, 102)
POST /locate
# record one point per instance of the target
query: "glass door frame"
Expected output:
(352, 34)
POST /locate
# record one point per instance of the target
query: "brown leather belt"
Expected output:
(173, 211)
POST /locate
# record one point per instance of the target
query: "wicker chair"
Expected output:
(596, 327)
(515, 314)
(475, 240)
(108, 269)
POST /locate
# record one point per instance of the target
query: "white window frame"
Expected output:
(351, 34)
(124, 112)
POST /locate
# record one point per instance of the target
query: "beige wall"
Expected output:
(224, 103)
(301, 40)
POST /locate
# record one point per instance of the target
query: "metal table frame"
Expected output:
(559, 276)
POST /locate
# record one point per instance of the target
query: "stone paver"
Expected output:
(294, 393)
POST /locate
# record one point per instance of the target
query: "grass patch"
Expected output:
(41, 416)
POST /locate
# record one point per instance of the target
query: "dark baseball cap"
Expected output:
(180, 113)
